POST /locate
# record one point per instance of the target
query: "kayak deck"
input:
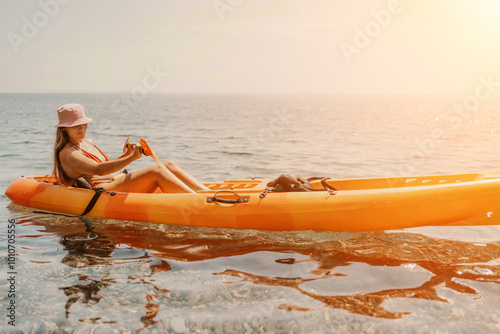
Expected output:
(254, 185)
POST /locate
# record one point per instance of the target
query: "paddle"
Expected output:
(125, 147)
(148, 151)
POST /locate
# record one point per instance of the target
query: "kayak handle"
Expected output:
(227, 201)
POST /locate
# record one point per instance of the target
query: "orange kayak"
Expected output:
(357, 205)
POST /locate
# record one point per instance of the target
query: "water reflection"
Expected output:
(449, 263)
(445, 263)
(356, 272)
(94, 250)
(87, 249)
(88, 294)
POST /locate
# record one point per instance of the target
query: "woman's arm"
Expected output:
(74, 163)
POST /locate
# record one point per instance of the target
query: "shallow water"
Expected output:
(130, 276)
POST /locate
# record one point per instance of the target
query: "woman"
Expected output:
(75, 156)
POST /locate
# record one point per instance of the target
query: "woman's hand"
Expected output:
(130, 148)
(135, 150)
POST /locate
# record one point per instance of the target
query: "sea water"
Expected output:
(134, 276)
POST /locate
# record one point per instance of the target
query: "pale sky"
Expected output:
(249, 46)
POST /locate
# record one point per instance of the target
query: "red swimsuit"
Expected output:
(92, 156)
(96, 159)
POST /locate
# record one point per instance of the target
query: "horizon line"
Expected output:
(238, 93)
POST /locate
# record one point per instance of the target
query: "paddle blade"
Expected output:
(145, 147)
(125, 147)
(148, 151)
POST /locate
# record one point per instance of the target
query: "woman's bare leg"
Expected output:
(147, 180)
(186, 178)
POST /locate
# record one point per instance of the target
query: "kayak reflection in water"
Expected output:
(76, 156)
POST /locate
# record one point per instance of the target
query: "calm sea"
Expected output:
(130, 276)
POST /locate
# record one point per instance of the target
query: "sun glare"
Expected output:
(488, 8)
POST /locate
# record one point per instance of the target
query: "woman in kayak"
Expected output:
(76, 156)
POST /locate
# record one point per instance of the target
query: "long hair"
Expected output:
(62, 139)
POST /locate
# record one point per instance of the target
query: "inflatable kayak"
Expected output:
(356, 205)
